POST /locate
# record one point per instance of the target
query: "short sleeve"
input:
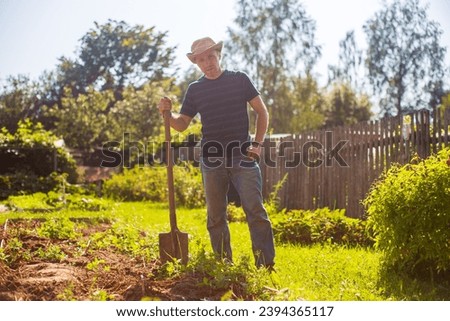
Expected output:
(250, 89)
(188, 105)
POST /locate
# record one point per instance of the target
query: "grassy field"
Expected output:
(319, 272)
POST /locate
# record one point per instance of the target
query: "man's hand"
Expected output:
(254, 151)
(165, 104)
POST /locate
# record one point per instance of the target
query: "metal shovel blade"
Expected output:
(173, 245)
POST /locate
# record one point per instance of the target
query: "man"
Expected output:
(228, 155)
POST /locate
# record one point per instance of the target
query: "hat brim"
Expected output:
(218, 46)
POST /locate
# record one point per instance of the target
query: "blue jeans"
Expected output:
(247, 181)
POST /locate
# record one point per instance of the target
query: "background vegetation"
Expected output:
(120, 71)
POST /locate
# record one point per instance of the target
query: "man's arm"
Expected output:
(262, 123)
(262, 118)
(179, 122)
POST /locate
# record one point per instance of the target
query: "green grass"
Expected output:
(325, 273)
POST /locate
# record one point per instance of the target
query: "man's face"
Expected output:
(208, 62)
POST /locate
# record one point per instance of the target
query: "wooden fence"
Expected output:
(335, 167)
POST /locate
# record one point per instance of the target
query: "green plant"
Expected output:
(272, 204)
(4, 258)
(52, 253)
(125, 238)
(98, 265)
(241, 279)
(56, 200)
(67, 294)
(14, 252)
(150, 183)
(29, 157)
(101, 295)
(58, 228)
(235, 213)
(409, 211)
(320, 226)
(25, 202)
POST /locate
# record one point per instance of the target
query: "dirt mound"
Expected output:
(84, 274)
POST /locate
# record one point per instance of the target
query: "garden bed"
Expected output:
(44, 269)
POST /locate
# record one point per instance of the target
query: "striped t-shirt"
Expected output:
(222, 105)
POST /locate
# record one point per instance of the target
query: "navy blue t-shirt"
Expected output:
(222, 105)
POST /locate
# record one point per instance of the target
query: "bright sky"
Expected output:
(35, 33)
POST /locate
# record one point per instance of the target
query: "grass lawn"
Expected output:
(319, 272)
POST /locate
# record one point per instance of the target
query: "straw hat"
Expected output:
(201, 45)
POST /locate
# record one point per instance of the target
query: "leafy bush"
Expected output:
(150, 184)
(28, 160)
(409, 210)
(320, 226)
(25, 181)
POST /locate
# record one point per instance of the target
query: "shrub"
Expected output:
(28, 160)
(150, 184)
(409, 210)
(320, 226)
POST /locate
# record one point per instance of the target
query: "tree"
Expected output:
(76, 98)
(87, 122)
(137, 114)
(350, 67)
(273, 41)
(308, 105)
(17, 100)
(82, 120)
(404, 58)
(111, 57)
(345, 107)
(110, 87)
(115, 55)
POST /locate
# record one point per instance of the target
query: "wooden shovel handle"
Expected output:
(169, 161)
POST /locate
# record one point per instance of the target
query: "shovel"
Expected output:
(172, 245)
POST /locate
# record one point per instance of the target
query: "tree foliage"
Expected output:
(350, 67)
(17, 99)
(273, 41)
(30, 159)
(114, 55)
(110, 87)
(307, 103)
(346, 107)
(87, 120)
(404, 57)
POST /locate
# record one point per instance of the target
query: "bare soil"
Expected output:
(126, 278)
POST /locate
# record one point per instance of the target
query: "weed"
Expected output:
(127, 239)
(101, 295)
(14, 252)
(67, 294)
(58, 228)
(53, 253)
(4, 258)
(98, 265)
